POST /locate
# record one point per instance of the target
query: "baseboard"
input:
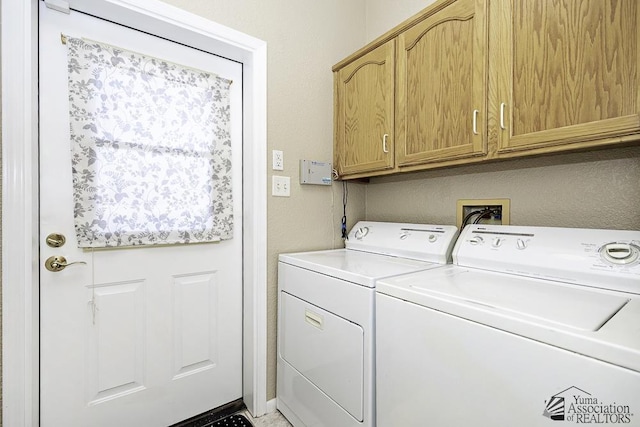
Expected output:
(271, 406)
(289, 415)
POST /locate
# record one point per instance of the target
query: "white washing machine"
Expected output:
(325, 367)
(530, 326)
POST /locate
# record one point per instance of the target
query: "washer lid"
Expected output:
(354, 266)
(472, 293)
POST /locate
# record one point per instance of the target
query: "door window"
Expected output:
(151, 149)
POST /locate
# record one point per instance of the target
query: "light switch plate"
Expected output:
(280, 186)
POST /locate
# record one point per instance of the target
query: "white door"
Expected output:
(145, 336)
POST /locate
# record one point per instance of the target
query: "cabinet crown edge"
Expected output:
(394, 32)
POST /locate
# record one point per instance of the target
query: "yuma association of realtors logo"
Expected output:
(577, 406)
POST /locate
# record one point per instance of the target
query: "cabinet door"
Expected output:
(441, 86)
(567, 72)
(364, 112)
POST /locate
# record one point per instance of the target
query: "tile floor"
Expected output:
(274, 419)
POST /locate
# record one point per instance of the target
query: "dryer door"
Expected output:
(326, 349)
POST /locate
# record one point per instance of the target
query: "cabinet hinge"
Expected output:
(59, 5)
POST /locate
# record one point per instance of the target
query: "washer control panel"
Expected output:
(607, 259)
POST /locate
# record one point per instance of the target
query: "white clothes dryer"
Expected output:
(530, 327)
(325, 366)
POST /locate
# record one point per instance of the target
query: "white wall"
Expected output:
(304, 39)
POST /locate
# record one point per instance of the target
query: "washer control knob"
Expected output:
(404, 235)
(521, 244)
(476, 240)
(432, 238)
(619, 253)
(497, 242)
(361, 232)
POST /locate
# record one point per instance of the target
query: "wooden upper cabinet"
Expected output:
(441, 85)
(567, 72)
(364, 112)
(466, 81)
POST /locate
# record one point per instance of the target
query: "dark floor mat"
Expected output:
(232, 421)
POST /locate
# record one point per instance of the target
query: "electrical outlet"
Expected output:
(483, 211)
(280, 186)
(278, 160)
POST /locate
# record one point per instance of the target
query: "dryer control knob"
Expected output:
(497, 242)
(361, 232)
(521, 244)
(432, 238)
(476, 240)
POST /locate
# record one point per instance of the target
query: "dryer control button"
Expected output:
(432, 238)
(619, 253)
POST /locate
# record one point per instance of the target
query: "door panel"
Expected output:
(196, 320)
(118, 331)
(134, 336)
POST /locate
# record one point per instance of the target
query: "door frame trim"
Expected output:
(20, 263)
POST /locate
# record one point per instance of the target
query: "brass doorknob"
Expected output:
(58, 263)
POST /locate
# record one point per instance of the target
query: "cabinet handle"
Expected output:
(475, 121)
(502, 105)
(384, 143)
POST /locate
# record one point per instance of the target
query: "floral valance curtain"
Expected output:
(150, 149)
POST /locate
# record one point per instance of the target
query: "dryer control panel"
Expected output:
(425, 242)
(607, 259)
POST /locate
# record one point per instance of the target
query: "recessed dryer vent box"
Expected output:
(312, 172)
(482, 211)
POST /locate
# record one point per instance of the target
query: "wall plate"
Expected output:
(280, 186)
(467, 207)
(278, 160)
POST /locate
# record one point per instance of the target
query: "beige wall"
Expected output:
(304, 39)
(598, 189)
(383, 15)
